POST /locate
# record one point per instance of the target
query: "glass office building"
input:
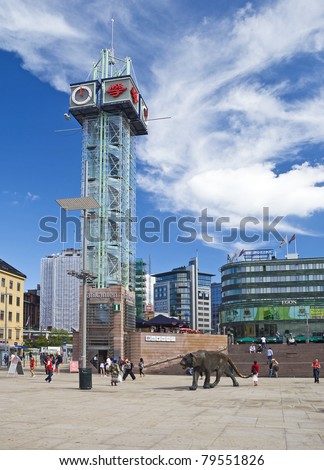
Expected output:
(263, 295)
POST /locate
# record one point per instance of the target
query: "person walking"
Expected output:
(269, 356)
(58, 362)
(263, 342)
(128, 369)
(255, 372)
(141, 367)
(113, 370)
(32, 365)
(49, 368)
(316, 370)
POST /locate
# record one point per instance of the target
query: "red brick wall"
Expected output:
(153, 351)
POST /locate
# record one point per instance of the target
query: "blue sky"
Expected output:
(242, 83)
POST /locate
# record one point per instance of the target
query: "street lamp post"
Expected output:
(6, 324)
(82, 203)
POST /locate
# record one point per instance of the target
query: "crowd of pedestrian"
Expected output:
(117, 369)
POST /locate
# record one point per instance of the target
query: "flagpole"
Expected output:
(287, 244)
(295, 244)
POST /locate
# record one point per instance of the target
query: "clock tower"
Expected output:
(112, 113)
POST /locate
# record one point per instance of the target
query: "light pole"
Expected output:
(6, 324)
(307, 328)
(82, 203)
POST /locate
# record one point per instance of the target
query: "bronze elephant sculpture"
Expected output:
(205, 363)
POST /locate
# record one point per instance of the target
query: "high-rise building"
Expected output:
(216, 302)
(60, 292)
(112, 112)
(185, 293)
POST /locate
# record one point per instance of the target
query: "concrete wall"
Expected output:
(153, 347)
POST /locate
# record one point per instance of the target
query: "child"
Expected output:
(141, 367)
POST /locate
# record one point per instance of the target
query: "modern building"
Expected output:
(112, 112)
(60, 292)
(216, 302)
(263, 295)
(185, 293)
(11, 308)
(140, 287)
(32, 308)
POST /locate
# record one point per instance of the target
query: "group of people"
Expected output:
(118, 370)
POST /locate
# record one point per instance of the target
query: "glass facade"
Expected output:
(266, 296)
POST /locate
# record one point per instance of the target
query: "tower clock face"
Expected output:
(81, 95)
(84, 95)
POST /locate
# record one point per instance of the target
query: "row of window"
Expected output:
(9, 333)
(261, 279)
(274, 290)
(10, 316)
(11, 284)
(10, 299)
(273, 267)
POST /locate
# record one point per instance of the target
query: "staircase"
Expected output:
(294, 361)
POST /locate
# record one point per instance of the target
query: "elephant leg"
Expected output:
(232, 376)
(207, 379)
(217, 379)
(195, 377)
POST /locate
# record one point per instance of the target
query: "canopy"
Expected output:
(162, 320)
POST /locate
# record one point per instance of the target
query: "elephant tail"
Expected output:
(233, 365)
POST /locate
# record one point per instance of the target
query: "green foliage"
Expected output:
(58, 336)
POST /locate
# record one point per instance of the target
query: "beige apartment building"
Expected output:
(12, 284)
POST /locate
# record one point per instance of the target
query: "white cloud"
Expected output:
(243, 107)
(244, 92)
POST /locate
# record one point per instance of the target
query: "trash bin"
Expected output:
(85, 378)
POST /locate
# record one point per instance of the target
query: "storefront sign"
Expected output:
(166, 339)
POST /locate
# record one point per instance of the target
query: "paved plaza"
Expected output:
(160, 413)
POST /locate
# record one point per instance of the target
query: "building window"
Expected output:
(17, 334)
(10, 300)
(3, 282)
(18, 302)
(10, 316)
(10, 284)
(1, 315)
(10, 333)
(2, 298)
(18, 286)
(17, 317)
(1, 333)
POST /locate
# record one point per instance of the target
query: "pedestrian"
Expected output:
(141, 367)
(107, 364)
(316, 370)
(259, 350)
(32, 365)
(263, 342)
(58, 362)
(102, 367)
(49, 368)
(113, 370)
(274, 368)
(252, 348)
(255, 372)
(128, 369)
(269, 355)
(120, 363)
